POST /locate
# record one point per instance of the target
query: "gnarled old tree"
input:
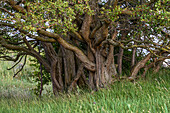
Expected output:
(78, 37)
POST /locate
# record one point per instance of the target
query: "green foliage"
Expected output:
(58, 15)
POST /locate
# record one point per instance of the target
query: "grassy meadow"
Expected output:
(143, 96)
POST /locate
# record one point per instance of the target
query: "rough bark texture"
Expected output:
(139, 65)
(91, 74)
(69, 66)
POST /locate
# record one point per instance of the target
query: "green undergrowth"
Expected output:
(150, 95)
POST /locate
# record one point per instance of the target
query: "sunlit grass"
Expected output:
(149, 96)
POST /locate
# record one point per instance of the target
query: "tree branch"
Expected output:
(77, 35)
(15, 63)
(28, 52)
(16, 7)
(85, 29)
(5, 10)
(87, 63)
(27, 33)
(22, 66)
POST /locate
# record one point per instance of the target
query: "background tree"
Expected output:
(78, 37)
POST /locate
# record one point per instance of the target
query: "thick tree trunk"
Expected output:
(105, 67)
(69, 66)
(100, 67)
(56, 67)
(63, 68)
(56, 86)
(91, 74)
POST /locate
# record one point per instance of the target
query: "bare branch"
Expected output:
(9, 58)
(22, 66)
(28, 52)
(16, 63)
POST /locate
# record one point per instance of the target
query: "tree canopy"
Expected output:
(85, 42)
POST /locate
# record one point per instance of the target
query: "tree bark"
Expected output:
(133, 57)
(119, 61)
(120, 56)
(76, 78)
(157, 66)
(91, 74)
(140, 65)
(69, 66)
(56, 67)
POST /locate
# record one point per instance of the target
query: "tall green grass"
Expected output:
(14, 87)
(148, 96)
